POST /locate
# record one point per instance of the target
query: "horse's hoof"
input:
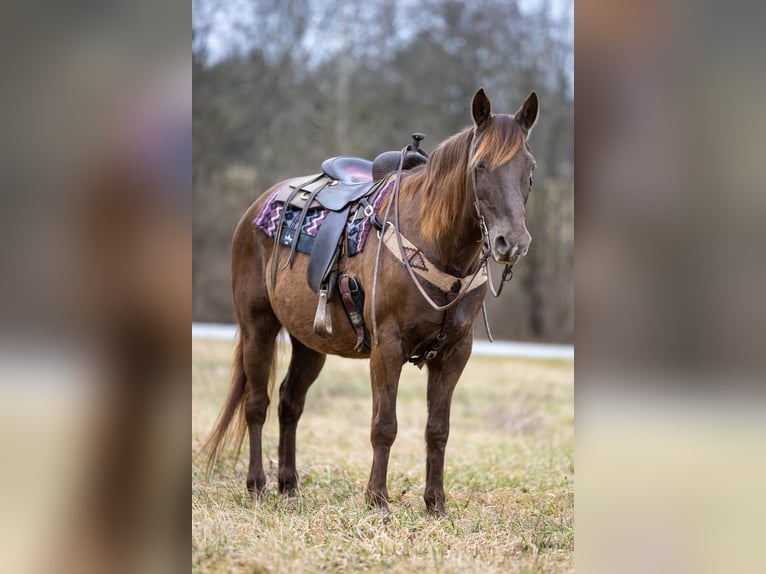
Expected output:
(437, 510)
(255, 488)
(288, 487)
(435, 506)
(255, 495)
(377, 500)
(289, 492)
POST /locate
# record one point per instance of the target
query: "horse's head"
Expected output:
(502, 165)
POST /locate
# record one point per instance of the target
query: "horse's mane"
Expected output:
(442, 182)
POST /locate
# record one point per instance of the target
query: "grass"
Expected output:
(509, 477)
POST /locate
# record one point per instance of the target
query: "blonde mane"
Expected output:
(443, 181)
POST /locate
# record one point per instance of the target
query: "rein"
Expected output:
(506, 277)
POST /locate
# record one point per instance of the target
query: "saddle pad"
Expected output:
(358, 227)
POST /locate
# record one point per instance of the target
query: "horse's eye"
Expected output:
(481, 165)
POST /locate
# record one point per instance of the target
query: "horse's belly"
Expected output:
(295, 305)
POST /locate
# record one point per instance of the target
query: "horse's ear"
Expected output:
(527, 114)
(481, 108)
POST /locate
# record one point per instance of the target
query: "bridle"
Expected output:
(487, 247)
(484, 254)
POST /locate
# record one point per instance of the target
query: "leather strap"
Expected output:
(301, 220)
(278, 234)
(354, 314)
(418, 358)
(323, 317)
(427, 270)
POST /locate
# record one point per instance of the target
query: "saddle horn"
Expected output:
(417, 137)
(388, 161)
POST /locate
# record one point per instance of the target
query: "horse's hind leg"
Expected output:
(305, 366)
(259, 342)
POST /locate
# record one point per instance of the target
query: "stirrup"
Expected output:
(323, 319)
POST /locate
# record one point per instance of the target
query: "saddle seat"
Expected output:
(348, 170)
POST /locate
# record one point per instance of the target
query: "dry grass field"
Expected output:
(509, 476)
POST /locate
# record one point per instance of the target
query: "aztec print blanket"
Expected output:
(358, 227)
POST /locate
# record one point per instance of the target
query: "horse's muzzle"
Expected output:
(508, 252)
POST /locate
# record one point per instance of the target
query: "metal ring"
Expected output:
(368, 211)
(387, 223)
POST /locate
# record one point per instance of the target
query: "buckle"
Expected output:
(368, 210)
(431, 354)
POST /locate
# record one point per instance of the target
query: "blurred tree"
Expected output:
(301, 80)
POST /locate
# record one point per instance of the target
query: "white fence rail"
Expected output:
(223, 332)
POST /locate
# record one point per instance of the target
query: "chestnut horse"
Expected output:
(465, 204)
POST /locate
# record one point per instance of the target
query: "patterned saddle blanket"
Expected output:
(357, 227)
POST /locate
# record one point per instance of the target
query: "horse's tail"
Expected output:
(223, 433)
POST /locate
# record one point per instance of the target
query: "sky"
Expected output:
(223, 19)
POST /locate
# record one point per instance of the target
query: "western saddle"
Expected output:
(346, 185)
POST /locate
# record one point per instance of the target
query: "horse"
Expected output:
(465, 203)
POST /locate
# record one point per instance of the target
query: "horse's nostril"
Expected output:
(501, 245)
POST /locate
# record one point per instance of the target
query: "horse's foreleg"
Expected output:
(443, 374)
(385, 368)
(305, 366)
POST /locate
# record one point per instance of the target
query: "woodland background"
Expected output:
(279, 85)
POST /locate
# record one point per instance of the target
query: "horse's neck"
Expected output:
(458, 246)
